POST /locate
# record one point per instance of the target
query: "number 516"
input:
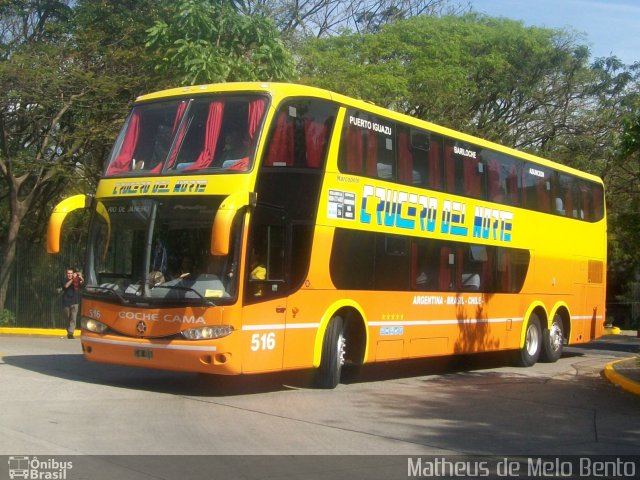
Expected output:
(263, 341)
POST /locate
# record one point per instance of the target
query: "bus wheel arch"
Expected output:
(341, 340)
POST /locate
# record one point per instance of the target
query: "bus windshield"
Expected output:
(158, 251)
(212, 134)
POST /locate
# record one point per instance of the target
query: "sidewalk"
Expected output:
(626, 372)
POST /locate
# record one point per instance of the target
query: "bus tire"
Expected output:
(333, 351)
(530, 352)
(552, 341)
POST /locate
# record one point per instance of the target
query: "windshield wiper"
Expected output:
(107, 289)
(206, 301)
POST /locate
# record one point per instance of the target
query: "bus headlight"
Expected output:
(93, 325)
(203, 333)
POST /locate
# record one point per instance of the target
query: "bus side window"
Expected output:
(564, 196)
(511, 269)
(446, 279)
(536, 187)
(409, 173)
(592, 200)
(503, 178)
(597, 193)
(463, 170)
(425, 262)
(300, 134)
(367, 146)
(474, 268)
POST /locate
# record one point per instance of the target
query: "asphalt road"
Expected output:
(53, 402)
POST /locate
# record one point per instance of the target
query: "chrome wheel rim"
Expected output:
(532, 340)
(341, 349)
(555, 336)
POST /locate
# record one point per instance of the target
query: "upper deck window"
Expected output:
(368, 146)
(300, 134)
(212, 134)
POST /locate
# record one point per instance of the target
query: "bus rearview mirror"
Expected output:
(60, 212)
(221, 230)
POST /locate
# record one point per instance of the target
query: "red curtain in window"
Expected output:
(405, 159)
(586, 212)
(449, 168)
(568, 201)
(281, 147)
(372, 153)
(182, 106)
(598, 210)
(354, 150)
(414, 265)
(256, 110)
(212, 133)
(434, 165)
(504, 270)
(122, 162)
(494, 180)
(487, 272)
(471, 177)
(512, 186)
(444, 275)
(315, 134)
(542, 195)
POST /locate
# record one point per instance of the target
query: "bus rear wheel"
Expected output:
(530, 352)
(333, 353)
(552, 341)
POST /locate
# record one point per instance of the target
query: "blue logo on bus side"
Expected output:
(408, 211)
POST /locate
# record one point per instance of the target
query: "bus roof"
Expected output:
(282, 90)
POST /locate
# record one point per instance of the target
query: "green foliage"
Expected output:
(203, 41)
(7, 318)
(492, 77)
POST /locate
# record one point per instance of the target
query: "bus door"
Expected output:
(265, 292)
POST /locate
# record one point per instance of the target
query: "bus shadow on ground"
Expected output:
(74, 367)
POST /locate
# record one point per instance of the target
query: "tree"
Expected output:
(33, 103)
(203, 41)
(527, 87)
(70, 70)
(110, 45)
(70, 75)
(623, 192)
(325, 18)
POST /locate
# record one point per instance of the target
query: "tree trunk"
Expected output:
(17, 209)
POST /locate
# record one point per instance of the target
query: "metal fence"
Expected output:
(33, 299)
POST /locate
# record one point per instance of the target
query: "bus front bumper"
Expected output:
(205, 356)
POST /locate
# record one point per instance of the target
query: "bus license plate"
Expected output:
(143, 353)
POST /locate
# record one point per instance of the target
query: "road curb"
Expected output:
(49, 332)
(616, 378)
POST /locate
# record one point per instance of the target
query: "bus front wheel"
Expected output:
(333, 352)
(530, 352)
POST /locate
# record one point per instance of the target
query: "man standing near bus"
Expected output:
(71, 298)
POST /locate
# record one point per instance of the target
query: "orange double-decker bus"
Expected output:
(256, 227)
